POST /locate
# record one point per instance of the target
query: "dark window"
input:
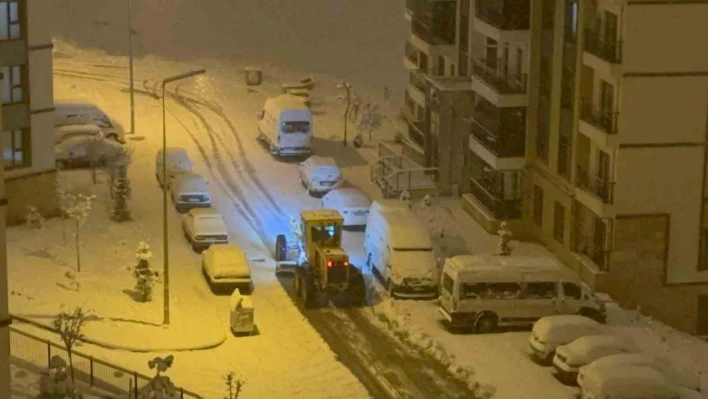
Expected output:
(504, 290)
(16, 148)
(544, 290)
(10, 21)
(441, 66)
(13, 78)
(570, 25)
(296, 127)
(448, 283)
(473, 290)
(573, 291)
(538, 206)
(558, 222)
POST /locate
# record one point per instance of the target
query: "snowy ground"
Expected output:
(25, 383)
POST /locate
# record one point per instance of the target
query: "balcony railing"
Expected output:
(430, 36)
(418, 81)
(498, 144)
(599, 255)
(503, 83)
(610, 51)
(601, 188)
(416, 132)
(597, 116)
(505, 14)
(500, 209)
(412, 54)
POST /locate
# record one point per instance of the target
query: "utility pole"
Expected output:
(130, 66)
(347, 87)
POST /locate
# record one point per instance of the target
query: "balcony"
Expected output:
(598, 123)
(417, 79)
(597, 45)
(600, 188)
(431, 35)
(498, 208)
(416, 132)
(596, 253)
(451, 83)
(499, 87)
(412, 57)
(501, 146)
(505, 14)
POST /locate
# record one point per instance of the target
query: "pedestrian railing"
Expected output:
(93, 372)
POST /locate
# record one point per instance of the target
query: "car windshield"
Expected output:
(296, 127)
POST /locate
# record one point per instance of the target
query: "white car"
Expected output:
(226, 266)
(631, 382)
(190, 191)
(351, 203)
(82, 151)
(203, 227)
(585, 350)
(607, 365)
(62, 133)
(320, 175)
(552, 331)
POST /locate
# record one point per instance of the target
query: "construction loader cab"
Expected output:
(317, 259)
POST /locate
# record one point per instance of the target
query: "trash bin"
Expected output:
(241, 314)
(254, 76)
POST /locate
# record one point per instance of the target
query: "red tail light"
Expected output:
(329, 263)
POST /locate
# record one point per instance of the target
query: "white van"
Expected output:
(178, 163)
(78, 113)
(190, 191)
(286, 125)
(399, 250)
(486, 291)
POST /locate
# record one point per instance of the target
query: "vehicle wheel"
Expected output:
(391, 289)
(485, 324)
(307, 289)
(311, 193)
(357, 287)
(281, 246)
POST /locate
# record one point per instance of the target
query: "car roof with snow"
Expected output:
(191, 182)
(227, 253)
(352, 197)
(407, 231)
(205, 213)
(547, 323)
(388, 204)
(319, 214)
(505, 267)
(589, 342)
(174, 151)
(621, 360)
(634, 382)
(285, 102)
(317, 160)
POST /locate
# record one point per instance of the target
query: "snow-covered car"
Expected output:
(632, 382)
(203, 227)
(320, 175)
(552, 331)
(62, 133)
(82, 151)
(190, 191)
(351, 203)
(606, 365)
(225, 266)
(585, 350)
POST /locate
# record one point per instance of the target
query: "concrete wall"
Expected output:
(665, 38)
(637, 273)
(37, 190)
(666, 180)
(663, 109)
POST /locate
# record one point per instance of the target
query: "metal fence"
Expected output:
(394, 173)
(93, 372)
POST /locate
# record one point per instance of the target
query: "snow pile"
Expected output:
(399, 322)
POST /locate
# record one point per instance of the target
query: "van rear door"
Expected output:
(448, 300)
(295, 131)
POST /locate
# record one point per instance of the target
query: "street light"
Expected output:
(130, 66)
(348, 87)
(166, 270)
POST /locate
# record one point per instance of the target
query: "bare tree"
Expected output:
(370, 119)
(66, 199)
(69, 327)
(234, 385)
(79, 211)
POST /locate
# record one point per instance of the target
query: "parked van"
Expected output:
(79, 113)
(486, 291)
(285, 124)
(399, 250)
(178, 163)
(190, 191)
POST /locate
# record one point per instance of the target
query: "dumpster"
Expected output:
(254, 76)
(241, 314)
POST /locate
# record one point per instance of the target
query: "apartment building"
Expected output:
(587, 130)
(5, 319)
(27, 108)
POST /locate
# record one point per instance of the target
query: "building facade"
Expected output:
(588, 131)
(27, 108)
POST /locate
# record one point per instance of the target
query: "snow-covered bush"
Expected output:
(35, 219)
(160, 387)
(55, 382)
(234, 385)
(504, 246)
(145, 276)
(121, 194)
(370, 119)
(69, 325)
(79, 210)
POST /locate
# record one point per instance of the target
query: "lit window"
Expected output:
(12, 91)
(15, 144)
(10, 20)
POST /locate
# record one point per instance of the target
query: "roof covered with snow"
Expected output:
(347, 197)
(634, 382)
(191, 182)
(285, 102)
(558, 328)
(317, 160)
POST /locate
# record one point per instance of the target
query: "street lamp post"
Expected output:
(165, 259)
(347, 87)
(130, 66)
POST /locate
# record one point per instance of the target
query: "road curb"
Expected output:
(27, 320)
